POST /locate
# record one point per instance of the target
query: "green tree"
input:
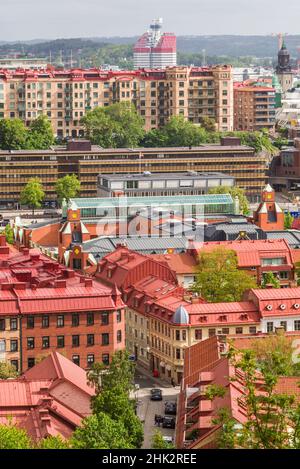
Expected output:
(13, 437)
(208, 124)
(218, 278)
(273, 418)
(67, 187)
(179, 132)
(234, 192)
(101, 432)
(40, 134)
(7, 370)
(114, 385)
(270, 279)
(9, 234)
(33, 194)
(119, 373)
(274, 354)
(157, 442)
(288, 221)
(53, 442)
(13, 134)
(115, 126)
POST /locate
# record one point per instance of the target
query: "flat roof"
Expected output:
(147, 175)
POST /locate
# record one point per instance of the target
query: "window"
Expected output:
(45, 321)
(30, 342)
(211, 332)
(177, 334)
(119, 336)
(30, 322)
(178, 354)
(252, 330)
(90, 340)
(105, 339)
(104, 319)
(77, 264)
(30, 362)
(13, 345)
(13, 324)
(119, 316)
(46, 342)
(60, 341)
(2, 324)
(15, 364)
(297, 325)
(75, 320)
(198, 334)
(183, 335)
(225, 330)
(105, 359)
(76, 359)
(283, 324)
(90, 319)
(75, 341)
(270, 326)
(273, 261)
(238, 330)
(60, 321)
(90, 359)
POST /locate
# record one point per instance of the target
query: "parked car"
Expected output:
(156, 394)
(168, 439)
(168, 422)
(170, 408)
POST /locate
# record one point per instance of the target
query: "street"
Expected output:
(147, 409)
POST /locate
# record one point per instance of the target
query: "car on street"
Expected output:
(156, 394)
(170, 408)
(168, 422)
(168, 439)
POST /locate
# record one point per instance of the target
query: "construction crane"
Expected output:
(280, 37)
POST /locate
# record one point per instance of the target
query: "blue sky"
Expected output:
(29, 19)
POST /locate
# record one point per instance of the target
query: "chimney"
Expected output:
(88, 282)
(60, 284)
(2, 240)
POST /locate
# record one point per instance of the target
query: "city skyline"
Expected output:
(130, 18)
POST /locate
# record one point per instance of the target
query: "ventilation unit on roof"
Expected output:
(296, 306)
(282, 306)
(269, 307)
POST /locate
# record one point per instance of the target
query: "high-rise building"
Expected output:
(155, 49)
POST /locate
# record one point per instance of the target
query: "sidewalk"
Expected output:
(158, 381)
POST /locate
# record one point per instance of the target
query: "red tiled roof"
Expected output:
(181, 263)
(51, 398)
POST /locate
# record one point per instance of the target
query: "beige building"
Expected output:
(254, 107)
(66, 95)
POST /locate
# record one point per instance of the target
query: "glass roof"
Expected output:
(96, 202)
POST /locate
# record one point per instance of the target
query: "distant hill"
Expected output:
(238, 50)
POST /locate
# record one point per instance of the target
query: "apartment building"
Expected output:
(66, 95)
(46, 307)
(254, 107)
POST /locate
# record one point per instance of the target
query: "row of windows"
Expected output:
(60, 340)
(283, 324)
(90, 359)
(60, 320)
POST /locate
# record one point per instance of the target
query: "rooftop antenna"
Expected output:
(71, 59)
(50, 57)
(203, 57)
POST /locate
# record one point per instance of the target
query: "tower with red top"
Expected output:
(269, 216)
(155, 49)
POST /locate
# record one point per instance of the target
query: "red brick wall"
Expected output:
(46, 235)
(67, 331)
